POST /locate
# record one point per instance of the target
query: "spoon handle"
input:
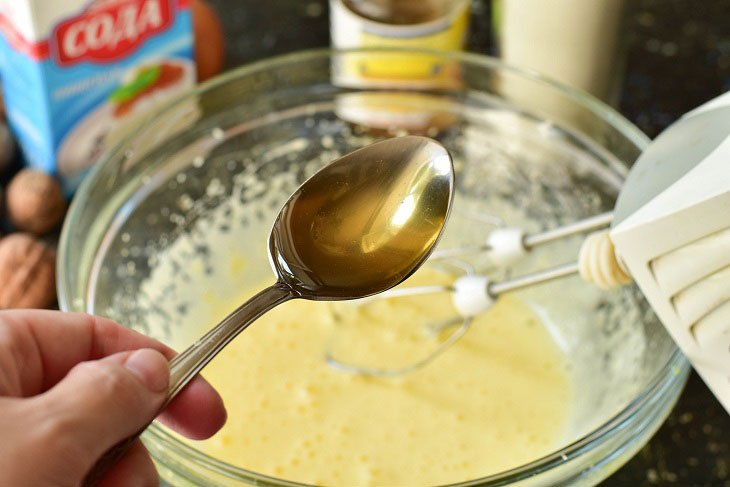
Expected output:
(187, 364)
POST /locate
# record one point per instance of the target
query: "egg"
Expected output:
(210, 51)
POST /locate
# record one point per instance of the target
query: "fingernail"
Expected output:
(151, 367)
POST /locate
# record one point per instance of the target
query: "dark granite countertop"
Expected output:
(677, 56)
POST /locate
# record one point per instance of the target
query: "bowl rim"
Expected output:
(672, 374)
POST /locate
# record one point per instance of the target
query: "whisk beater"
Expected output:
(472, 294)
(506, 245)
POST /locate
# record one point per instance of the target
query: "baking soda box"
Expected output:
(79, 75)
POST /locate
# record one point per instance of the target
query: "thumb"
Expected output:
(102, 402)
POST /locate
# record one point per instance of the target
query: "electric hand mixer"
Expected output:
(670, 233)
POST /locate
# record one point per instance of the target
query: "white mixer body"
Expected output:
(672, 232)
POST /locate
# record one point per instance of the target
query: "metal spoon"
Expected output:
(359, 226)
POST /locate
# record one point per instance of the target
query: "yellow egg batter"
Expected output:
(498, 398)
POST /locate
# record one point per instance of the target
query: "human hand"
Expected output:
(73, 385)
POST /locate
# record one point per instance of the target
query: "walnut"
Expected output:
(27, 272)
(35, 202)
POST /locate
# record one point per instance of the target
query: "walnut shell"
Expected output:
(35, 202)
(27, 272)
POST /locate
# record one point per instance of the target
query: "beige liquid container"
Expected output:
(573, 41)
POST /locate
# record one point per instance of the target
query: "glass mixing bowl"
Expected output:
(529, 151)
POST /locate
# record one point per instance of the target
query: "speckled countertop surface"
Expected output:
(677, 56)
